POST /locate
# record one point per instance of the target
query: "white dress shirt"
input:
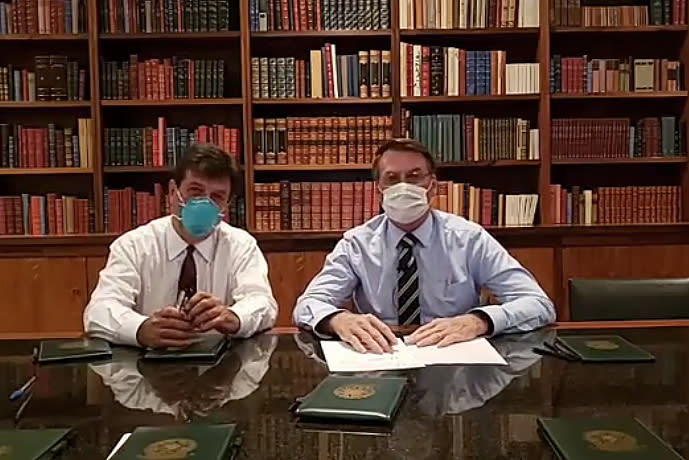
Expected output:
(143, 270)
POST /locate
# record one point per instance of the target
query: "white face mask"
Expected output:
(404, 203)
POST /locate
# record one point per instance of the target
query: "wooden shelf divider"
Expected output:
(625, 95)
(44, 104)
(43, 171)
(171, 102)
(44, 37)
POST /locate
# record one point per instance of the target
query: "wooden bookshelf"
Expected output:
(171, 102)
(137, 169)
(44, 37)
(45, 105)
(43, 171)
(324, 101)
(171, 36)
(460, 99)
(625, 95)
(521, 31)
(322, 34)
(620, 30)
(622, 161)
(310, 167)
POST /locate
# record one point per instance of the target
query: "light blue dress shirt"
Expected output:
(455, 258)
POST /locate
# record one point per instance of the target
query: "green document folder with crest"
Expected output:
(604, 439)
(192, 441)
(33, 444)
(205, 348)
(354, 399)
(603, 348)
(53, 351)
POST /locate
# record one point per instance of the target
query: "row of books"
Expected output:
(43, 17)
(593, 138)
(148, 16)
(658, 12)
(162, 145)
(458, 137)
(449, 71)
(306, 15)
(580, 75)
(51, 214)
(314, 205)
(49, 147)
(468, 14)
(486, 206)
(365, 74)
(161, 79)
(319, 140)
(125, 209)
(616, 205)
(54, 78)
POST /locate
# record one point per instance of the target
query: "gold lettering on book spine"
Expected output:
(603, 345)
(611, 441)
(355, 391)
(170, 449)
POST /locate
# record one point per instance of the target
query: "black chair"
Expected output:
(629, 299)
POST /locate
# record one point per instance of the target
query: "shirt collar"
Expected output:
(176, 245)
(424, 233)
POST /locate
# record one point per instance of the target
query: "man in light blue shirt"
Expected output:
(413, 265)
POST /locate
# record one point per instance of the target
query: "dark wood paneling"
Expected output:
(43, 295)
(93, 267)
(622, 262)
(541, 263)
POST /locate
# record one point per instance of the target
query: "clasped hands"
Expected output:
(173, 327)
(366, 333)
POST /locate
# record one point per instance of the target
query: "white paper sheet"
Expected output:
(477, 351)
(119, 444)
(343, 358)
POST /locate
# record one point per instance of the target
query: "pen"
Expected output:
(21, 409)
(546, 352)
(181, 299)
(21, 391)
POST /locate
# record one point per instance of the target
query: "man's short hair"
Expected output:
(403, 145)
(209, 161)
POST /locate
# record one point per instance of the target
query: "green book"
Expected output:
(603, 439)
(193, 441)
(603, 348)
(206, 348)
(32, 444)
(354, 399)
(54, 351)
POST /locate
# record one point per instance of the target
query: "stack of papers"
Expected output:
(343, 358)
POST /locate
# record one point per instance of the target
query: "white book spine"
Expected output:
(417, 70)
(403, 69)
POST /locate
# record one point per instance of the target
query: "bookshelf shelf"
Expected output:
(171, 36)
(322, 33)
(44, 104)
(456, 99)
(490, 164)
(469, 32)
(137, 169)
(626, 95)
(623, 161)
(44, 37)
(43, 171)
(172, 102)
(330, 167)
(323, 101)
(619, 30)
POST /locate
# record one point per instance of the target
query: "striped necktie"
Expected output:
(407, 282)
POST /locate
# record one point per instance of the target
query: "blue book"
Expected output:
(457, 137)
(589, 77)
(44, 220)
(68, 17)
(471, 82)
(486, 73)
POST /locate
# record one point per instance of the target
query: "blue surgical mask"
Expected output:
(199, 216)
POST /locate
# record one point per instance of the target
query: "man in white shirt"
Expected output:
(187, 273)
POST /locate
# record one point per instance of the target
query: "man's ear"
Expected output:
(433, 188)
(173, 196)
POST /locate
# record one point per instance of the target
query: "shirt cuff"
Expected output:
(496, 315)
(315, 311)
(323, 317)
(129, 326)
(247, 320)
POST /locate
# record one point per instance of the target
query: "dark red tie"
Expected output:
(187, 277)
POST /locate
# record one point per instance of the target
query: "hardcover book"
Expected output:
(208, 442)
(207, 348)
(603, 348)
(52, 351)
(603, 439)
(353, 399)
(33, 444)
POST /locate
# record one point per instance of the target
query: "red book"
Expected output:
(325, 206)
(162, 141)
(3, 217)
(52, 215)
(59, 217)
(347, 205)
(368, 201)
(296, 5)
(425, 70)
(140, 207)
(410, 69)
(18, 215)
(359, 203)
(376, 200)
(234, 143)
(318, 15)
(329, 70)
(35, 215)
(29, 138)
(284, 10)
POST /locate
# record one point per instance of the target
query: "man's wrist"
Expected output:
(486, 320)
(324, 326)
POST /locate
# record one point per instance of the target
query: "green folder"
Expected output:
(354, 399)
(205, 348)
(53, 351)
(603, 348)
(32, 444)
(603, 439)
(194, 441)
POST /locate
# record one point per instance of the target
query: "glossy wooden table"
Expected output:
(451, 412)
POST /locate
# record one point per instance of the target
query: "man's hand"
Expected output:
(206, 312)
(165, 328)
(446, 331)
(363, 332)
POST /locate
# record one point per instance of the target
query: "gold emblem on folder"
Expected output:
(611, 441)
(355, 391)
(603, 345)
(170, 449)
(5, 451)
